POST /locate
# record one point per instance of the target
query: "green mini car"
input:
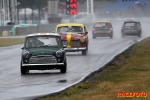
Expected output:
(43, 51)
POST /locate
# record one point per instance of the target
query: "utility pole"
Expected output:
(18, 13)
(10, 11)
(39, 14)
(24, 13)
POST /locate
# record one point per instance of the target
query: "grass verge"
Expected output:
(129, 72)
(10, 41)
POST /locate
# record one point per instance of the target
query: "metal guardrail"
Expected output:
(51, 27)
(34, 29)
(5, 28)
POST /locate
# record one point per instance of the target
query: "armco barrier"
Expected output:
(51, 27)
(47, 27)
(26, 30)
(34, 29)
(5, 28)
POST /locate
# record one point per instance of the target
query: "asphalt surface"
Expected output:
(14, 86)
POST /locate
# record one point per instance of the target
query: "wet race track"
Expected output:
(15, 86)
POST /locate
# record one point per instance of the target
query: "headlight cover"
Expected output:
(26, 54)
(58, 53)
(82, 40)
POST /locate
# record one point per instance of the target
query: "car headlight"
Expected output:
(26, 54)
(82, 40)
(58, 53)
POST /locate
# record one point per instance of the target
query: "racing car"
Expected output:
(131, 28)
(102, 29)
(74, 36)
(43, 51)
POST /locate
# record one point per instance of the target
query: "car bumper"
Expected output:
(43, 64)
(102, 34)
(75, 49)
(132, 33)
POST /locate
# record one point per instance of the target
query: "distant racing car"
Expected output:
(131, 28)
(102, 29)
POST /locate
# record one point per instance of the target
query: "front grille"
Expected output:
(42, 59)
(73, 43)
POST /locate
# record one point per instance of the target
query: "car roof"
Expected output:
(103, 22)
(70, 24)
(43, 34)
(131, 21)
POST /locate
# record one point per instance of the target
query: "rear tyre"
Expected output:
(111, 36)
(63, 68)
(123, 35)
(139, 35)
(23, 70)
(84, 52)
(94, 37)
(87, 48)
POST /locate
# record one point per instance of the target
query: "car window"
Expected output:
(42, 41)
(69, 29)
(102, 25)
(129, 24)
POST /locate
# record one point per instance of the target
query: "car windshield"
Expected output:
(42, 41)
(69, 29)
(131, 24)
(102, 25)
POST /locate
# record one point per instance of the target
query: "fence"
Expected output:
(51, 27)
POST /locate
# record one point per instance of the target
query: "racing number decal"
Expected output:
(69, 40)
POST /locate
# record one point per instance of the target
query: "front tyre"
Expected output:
(87, 48)
(63, 68)
(139, 35)
(94, 37)
(84, 52)
(123, 35)
(23, 69)
(111, 36)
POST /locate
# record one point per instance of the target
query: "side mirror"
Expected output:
(22, 48)
(64, 46)
(86, 32)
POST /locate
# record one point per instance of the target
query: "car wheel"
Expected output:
(87, 48)
(139, 35)
(63, 68)
(23, 70)
(111, 36)
(94, 37)
(84, 52)
(123, 35)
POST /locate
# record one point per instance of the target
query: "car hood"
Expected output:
(72, 35)
(42, 51)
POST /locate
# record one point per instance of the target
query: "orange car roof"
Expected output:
(103, 22)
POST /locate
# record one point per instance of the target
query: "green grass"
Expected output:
(129, 72)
